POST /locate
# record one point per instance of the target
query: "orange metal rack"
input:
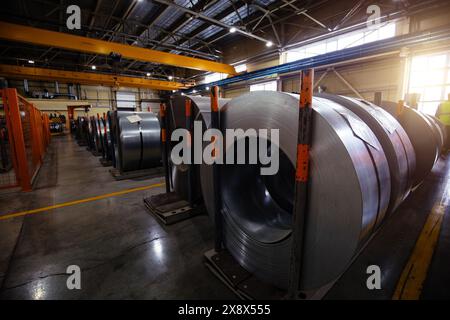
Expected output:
(28, 138)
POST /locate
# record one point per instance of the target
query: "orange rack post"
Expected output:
(27, 140)
(14, 122)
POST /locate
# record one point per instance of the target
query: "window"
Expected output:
(126, 100)
(340, 42)
(430, 78)
(213, 77)
(264, 86)
(240, 68)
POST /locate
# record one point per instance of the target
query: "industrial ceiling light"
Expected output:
(233, 30)
(93, 67)
(170, 77)
(194, 91)
(269, 44)
(207, 88)
(148, 74)
(31, 61)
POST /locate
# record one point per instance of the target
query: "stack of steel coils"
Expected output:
(107, 142)
(364, 163)
(95, 135)
(138, 140)
(201, 109)
(426, 135)
(81, 133)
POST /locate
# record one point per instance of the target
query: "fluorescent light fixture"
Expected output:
(233, 30)
(269, 44)
(194, 91)
(170, 77)
(93, 67)
(30, 61)
(148, 74)
(207, 88)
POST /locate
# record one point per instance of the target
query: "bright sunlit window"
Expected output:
(126, 100)
(430, 78)
(213, 77)
(340, 42)
(264, 86)
(240, 68)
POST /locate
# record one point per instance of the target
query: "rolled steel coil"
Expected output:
(423, 135)
(200, 111)
(112, 122)
(443, 130)
(394, 140)
(94, 132)
(139, 143)
(107, 138)
(438, 134)
(100, 133)
(349, 190)
(90, 134)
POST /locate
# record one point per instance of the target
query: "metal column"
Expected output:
(215, 124)
(301, 181)
(162, 115)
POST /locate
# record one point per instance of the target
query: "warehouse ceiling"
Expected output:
(196, 28)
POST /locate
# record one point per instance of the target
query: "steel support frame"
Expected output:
(391, 45)
(301, 206)
(218, 221)
(14, 124)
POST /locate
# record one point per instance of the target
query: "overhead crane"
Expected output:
(88, 78)
(48, 38)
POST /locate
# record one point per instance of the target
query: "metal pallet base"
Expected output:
(152, 172)
(245, 285)
(105, 163)
(240, 281)
(169, 208)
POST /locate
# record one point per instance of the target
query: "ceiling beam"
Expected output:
(212, 20)
(89, 78)
(20, 33)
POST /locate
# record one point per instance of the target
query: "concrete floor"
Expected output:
(124, 253)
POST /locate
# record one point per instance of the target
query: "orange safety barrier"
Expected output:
(24, 136)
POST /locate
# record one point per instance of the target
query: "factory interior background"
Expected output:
(118, 179)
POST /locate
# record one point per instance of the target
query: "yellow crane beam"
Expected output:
(20, 33)
(90, 78)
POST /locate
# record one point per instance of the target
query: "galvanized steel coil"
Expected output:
(422, 133)
(394, 140)
(443, 130)
(438, 134)
(139, 143)
(349, 190)
(201, 111)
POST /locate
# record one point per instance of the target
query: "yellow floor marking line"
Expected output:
(71, 203)
(410, 285)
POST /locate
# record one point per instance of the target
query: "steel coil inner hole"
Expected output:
(261, 205)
